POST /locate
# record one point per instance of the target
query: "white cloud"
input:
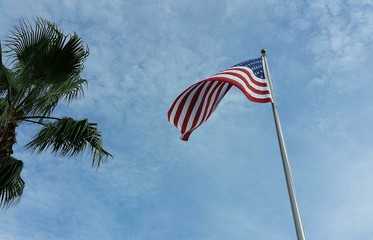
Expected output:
(142, 56)
(340, 46)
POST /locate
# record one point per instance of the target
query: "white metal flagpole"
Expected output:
(289, 179)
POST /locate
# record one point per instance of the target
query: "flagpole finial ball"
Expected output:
(263, 51)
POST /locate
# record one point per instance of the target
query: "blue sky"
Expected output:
(227, 181)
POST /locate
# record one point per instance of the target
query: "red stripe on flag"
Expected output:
(174, 103)
(181, 104)
(247, 94)
(244, 80)
(247, 72)
(209, 104)
(209, 95)
(196, 104)
(191, 106)
(216, 100)
(198, 113)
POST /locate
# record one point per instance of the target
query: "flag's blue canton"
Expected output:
(255, 65)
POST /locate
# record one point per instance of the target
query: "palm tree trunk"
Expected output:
(11, 183)
(7, 139)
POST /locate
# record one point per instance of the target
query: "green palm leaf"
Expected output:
(5, 112)
(4, 79)
(44, 67)
(44, 54)
(42, 104)
(11, 183)
(68, 137)
(43, 58)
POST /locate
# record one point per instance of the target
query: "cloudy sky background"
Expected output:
(227, 181)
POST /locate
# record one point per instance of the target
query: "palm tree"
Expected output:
(43, 69)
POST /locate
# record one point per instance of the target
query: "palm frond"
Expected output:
(4, 83)
(43, 54)
(11, 183)
(33, 104)
(5, 112)
(8, 86)
(46, 66)
(42, 103)
(27, 39)
(69, 137)
(73, 89)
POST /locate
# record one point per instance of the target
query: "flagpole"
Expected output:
(289, 179)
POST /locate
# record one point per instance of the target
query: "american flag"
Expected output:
(196, 104)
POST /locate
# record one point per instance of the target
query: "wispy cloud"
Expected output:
(342, 41)
(227, 181)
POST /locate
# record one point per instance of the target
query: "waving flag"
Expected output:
(196, 104)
